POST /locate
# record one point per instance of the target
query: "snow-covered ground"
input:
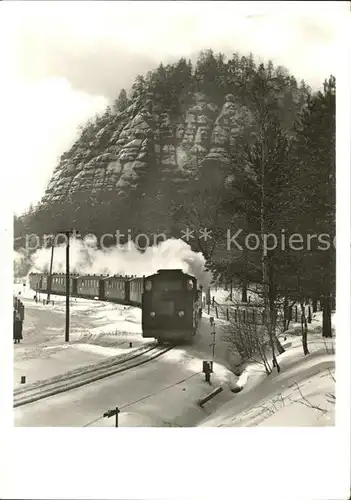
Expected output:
(302, 394)
(97, 330)
(165, 392)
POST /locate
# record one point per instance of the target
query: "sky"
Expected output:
(62, 62)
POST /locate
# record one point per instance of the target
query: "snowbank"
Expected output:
(302, 394)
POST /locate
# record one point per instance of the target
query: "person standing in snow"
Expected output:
(17, 327)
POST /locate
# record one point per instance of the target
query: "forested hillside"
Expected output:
(225, 145)
(130, 165)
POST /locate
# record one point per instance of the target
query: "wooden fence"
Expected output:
(257, 315)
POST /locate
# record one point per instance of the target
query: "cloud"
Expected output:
(68, 59)
(99, 47)
(42, 124)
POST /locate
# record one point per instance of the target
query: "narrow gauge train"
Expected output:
(169, 299)
(119, 289)
(170, 307)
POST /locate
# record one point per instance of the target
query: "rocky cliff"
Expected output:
(131, 163)
(120, 151)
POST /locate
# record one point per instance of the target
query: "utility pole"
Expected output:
(111, 413)
(50, 272)
(68, 234)
(213, 343)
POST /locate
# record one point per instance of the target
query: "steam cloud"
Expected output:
(86, 258)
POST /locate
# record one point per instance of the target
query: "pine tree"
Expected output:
(122, 102)
(314, 159)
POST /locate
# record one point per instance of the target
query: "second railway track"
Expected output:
(72, 380)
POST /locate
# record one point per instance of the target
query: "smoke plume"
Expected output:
(86, 258)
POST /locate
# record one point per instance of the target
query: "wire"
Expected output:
(146, 397)
(93, 421)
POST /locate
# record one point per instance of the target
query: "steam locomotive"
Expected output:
(169, 299)
(170, 306)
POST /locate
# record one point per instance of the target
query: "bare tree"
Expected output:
(250, 339)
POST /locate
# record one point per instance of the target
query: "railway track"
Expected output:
(78, 378)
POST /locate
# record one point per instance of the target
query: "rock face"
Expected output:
(146, 145)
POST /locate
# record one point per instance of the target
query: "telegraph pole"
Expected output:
(68, 234)
(50, 272)
(213, 343)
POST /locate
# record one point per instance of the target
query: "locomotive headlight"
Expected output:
(152, 314)
(190, 285)
(148, 285)
(181, 313)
